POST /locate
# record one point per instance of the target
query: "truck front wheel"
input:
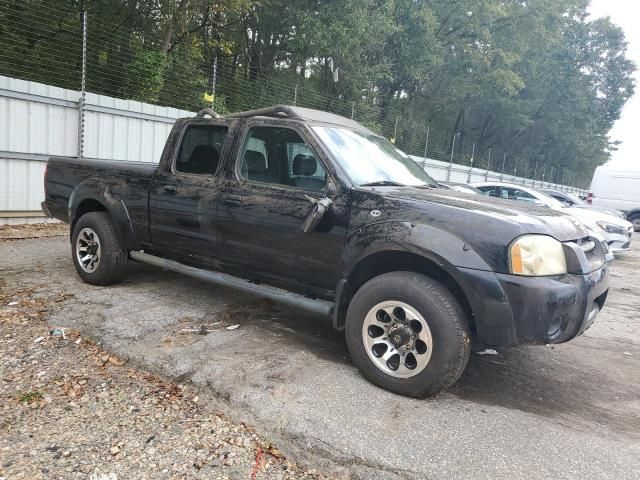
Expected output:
(408, 334)
(98, 256)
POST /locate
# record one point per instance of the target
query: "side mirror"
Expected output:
(332, 189)
(318, 209)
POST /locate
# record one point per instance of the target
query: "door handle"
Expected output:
(170, 188)
(232, 199)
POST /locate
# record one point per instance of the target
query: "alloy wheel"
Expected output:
(397, 339)
(88, 250)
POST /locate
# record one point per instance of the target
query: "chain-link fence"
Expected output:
(87, 53)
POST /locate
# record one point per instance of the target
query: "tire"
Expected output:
(96, 228)
(446, 328)
(635, 219)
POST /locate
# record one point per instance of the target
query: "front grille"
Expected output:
(586, 245)
(586, 255)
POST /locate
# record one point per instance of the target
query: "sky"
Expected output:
(625, 14)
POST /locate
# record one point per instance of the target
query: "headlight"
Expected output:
(610, 228)
(537, 255)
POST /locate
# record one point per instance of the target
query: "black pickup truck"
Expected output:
(314, 210)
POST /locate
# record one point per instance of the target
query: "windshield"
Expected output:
(371, 160)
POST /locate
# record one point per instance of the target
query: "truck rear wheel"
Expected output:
(98, 256)
(407, 334)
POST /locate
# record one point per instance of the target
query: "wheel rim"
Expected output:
(397, 339)
(636, 223)
(88, 250)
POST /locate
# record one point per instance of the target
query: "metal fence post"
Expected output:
(473, 152)
(453, 146)
(426, 144)
(395, 131)
(486, 171)
(213, 81)
(83, 81)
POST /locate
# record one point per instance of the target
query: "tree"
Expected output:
(534, 80)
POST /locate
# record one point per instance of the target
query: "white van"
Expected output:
(619, 189)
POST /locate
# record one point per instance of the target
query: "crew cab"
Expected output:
(313, 210)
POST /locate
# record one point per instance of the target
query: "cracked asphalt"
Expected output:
(571, 411)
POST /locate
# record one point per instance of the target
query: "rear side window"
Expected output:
(200, 149)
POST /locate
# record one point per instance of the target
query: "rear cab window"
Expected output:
(200, 149)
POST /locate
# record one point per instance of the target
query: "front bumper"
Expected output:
(513, 310)
(619, 242)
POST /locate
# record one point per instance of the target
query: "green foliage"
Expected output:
(30, 397)
(535, 81)
(145, 75)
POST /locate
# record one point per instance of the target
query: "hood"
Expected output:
(608, 211)
(450, 207)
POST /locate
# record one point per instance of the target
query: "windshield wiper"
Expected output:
(382, 183)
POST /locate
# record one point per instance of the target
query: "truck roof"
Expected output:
(294, 113)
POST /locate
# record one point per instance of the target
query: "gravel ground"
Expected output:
(71, 410)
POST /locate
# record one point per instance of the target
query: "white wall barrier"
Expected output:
(38, 121)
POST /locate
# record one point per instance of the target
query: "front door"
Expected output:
(184, 196)
(265, 202)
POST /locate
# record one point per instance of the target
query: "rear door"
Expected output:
(184, 195)
(264, 204)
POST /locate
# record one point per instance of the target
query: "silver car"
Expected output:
(616, 231)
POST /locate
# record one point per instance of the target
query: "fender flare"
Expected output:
(446, 251)
(108, 195)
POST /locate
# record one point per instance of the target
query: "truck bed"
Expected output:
(126, 184)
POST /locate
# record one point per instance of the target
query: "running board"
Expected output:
(320, 307)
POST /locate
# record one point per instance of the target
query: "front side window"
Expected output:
(280, 156)
(489, 190)
(371, 160)
(200, 149)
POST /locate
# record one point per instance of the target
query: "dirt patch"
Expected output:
(69, 409)
(35, 230)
